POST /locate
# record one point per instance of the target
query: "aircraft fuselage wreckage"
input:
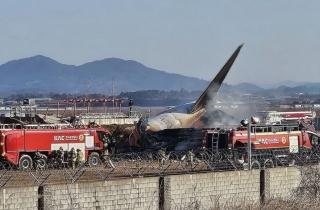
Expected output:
(181, 116)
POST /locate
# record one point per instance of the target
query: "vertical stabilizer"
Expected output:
(215, 84)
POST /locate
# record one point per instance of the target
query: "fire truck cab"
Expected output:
(18, 146)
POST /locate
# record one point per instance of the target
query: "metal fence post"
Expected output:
(249, 146)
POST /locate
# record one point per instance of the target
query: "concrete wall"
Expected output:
(19, 198)
(205, 190)
(117, 194)
(279, 182)
(211, 189)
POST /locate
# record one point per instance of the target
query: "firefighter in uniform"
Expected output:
(79, 158)
(106, 142)
(190, 157)
(72, 157)
(39, 158)
(161, 156)
(60, 155)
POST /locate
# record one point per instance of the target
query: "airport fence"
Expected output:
(148, 164)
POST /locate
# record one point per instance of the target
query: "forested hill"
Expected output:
(41, 73)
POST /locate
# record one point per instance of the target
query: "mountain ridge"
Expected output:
(45, 74)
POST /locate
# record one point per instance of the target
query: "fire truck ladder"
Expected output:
(215, 142)
(48, 126)
(34, 126)
(10, 126)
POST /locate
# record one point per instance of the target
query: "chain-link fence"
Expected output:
(146, 164)
(161, 164)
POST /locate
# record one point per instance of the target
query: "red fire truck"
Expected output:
(268, 142)
(282, 143)
(274, 137)
(18, 146)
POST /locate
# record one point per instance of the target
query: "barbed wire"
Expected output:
(145, 164)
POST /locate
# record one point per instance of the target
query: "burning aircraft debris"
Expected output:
(185, 115)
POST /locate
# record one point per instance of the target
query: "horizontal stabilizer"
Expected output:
(215, 84)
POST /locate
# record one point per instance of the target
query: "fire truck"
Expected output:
(277, 144)
(18, 146)
(273, 137)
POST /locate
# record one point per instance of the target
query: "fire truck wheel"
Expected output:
(25, 162)
(94, 159)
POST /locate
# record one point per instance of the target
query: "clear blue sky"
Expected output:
(193, 38)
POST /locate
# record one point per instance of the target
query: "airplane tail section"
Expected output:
(215, 84)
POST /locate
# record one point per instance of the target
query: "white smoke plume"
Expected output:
(222, 115)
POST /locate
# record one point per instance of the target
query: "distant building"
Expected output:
(28, 101)
(42, 99)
